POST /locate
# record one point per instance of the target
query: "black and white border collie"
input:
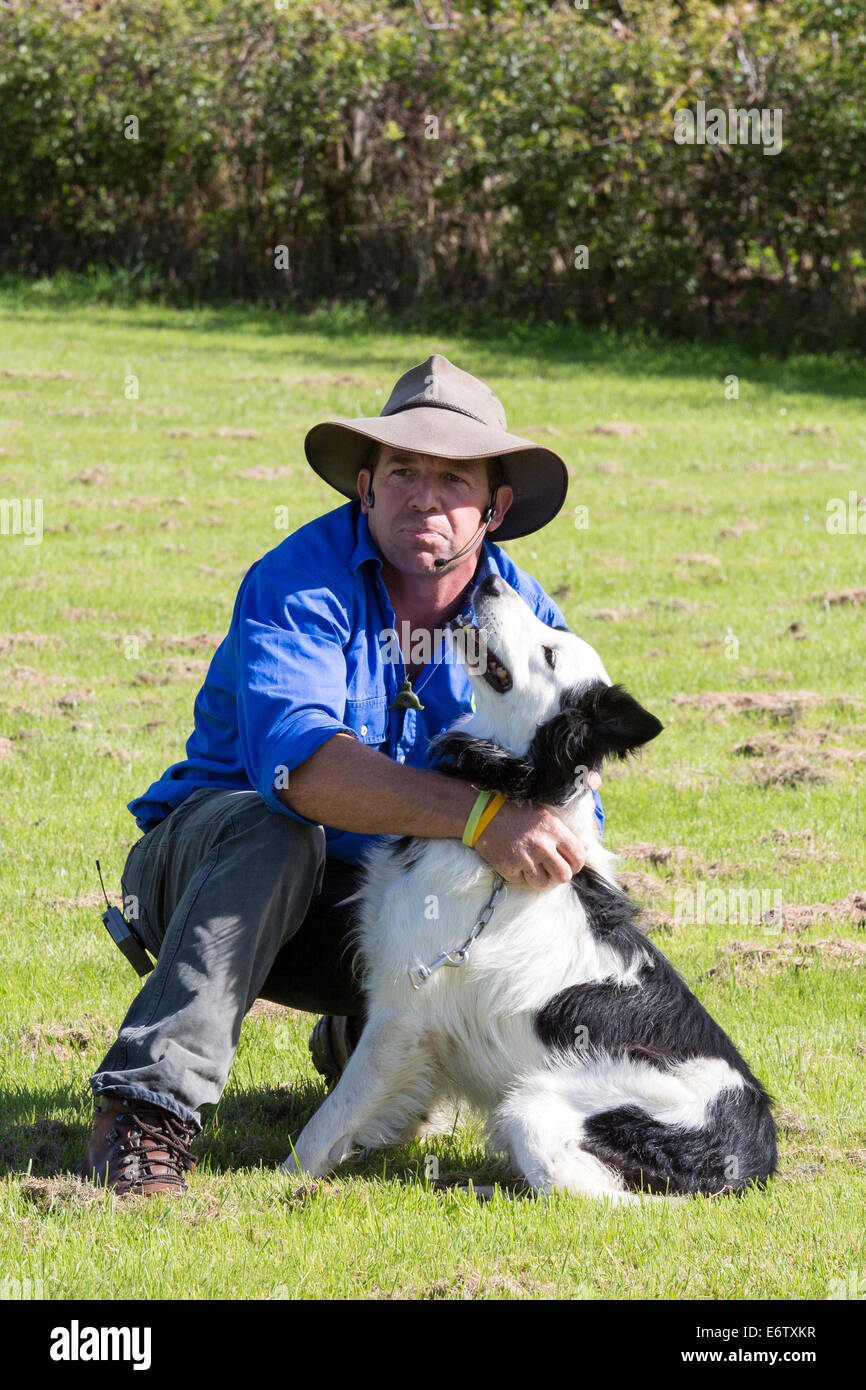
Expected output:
(600, 1071)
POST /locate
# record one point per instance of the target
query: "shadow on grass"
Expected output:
(45, 1132)
(461, 1170)
(501, 346)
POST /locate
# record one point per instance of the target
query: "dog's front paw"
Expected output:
(305, 1160)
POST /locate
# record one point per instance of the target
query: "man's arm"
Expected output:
(351, 787)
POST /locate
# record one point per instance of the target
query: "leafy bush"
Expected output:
(445, 155)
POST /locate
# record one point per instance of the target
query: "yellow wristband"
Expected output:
(478, 806)
(487, 816)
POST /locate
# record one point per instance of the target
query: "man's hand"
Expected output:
(532, 846)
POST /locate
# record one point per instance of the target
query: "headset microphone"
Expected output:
(486, 519)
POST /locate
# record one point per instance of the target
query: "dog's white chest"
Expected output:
(534, 944)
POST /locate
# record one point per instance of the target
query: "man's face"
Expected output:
(426, 507)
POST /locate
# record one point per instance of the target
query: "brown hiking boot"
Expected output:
(137, 1148)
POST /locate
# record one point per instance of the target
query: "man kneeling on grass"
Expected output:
(311, 735)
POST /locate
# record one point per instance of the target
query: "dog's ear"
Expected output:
(484, 762)
(596, 721)
(617, 723)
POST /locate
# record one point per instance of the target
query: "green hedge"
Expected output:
(268, 123)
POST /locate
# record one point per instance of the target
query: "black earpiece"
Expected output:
(370, 498)
(491, 507)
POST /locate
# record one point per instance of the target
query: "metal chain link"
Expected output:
(457, 956)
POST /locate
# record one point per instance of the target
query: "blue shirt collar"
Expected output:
(366, 548)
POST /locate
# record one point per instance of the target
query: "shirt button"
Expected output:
(363, 728)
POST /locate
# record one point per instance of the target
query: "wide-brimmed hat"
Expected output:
(436, 408)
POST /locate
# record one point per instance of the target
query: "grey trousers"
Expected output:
(237, 903)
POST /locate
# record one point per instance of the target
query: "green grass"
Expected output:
(151, 517)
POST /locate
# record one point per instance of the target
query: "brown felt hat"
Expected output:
(436, 408)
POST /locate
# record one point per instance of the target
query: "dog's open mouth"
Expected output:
(478, 656)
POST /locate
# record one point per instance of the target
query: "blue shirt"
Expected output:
(310, 653)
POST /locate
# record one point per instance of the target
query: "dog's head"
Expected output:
(546, 712)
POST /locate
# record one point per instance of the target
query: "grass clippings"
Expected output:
(763, 958)
(852, 597)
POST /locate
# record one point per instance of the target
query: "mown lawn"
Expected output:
(703, 571)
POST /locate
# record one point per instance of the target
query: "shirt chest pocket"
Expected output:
(368, 719)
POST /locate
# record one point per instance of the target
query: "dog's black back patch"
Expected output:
(610, 914)
(736, 1146)
(657, 1020)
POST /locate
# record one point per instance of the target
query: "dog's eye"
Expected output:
(550, 656)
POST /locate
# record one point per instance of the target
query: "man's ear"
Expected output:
(616, 724)
(504, 499)
(363, 484)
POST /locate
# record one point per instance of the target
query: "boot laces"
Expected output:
(166, 1133)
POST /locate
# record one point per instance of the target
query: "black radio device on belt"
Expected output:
(124, 935)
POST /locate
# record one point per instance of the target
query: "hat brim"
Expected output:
(337, 449)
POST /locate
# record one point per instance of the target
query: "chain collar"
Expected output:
(458, 955)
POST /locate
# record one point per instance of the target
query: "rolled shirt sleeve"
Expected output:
(291, 635)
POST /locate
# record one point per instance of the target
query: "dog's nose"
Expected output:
(492, 586)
